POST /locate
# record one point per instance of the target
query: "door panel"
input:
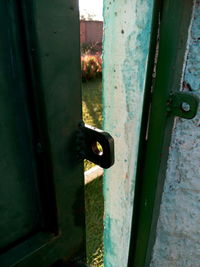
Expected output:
(19, 207)
(41, 109)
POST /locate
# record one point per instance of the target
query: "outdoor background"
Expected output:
(91, 31)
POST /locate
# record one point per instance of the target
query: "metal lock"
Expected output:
(95, 145)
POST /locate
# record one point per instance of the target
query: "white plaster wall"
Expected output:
(127, 31)
(178, 230)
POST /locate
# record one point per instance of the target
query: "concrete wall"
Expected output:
(91, 31)
(127, 29)
(178, 230)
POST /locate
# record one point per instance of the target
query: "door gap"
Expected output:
(91, 32)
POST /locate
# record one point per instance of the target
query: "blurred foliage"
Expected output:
(91, 66)
(91, 48)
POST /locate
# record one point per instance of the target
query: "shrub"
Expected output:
(91, 48)
(91, 66)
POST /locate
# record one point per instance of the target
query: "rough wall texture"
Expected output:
(127, 30)
(178, 230)
(91, 31)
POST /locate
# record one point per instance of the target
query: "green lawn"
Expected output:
(92, 106)
(92, 114)
(94, 222)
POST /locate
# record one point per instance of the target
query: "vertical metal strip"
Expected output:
(39, 117)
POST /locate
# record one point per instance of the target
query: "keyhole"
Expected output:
(185, 107)
(97, 148)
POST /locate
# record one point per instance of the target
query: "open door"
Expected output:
(42, 183)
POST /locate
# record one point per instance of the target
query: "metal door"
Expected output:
(164, 102)
(41, 185)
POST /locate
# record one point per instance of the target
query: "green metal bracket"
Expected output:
(95, 145)
(183, 105)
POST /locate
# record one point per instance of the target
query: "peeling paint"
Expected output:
(127, 27)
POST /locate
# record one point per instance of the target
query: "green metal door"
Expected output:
(41, 185)
(164, 102)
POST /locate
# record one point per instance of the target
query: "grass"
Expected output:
(92, 106)
(94, 222)
(92, 114)
(92, 102)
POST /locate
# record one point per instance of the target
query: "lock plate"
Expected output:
(183, 105)
(95, 145)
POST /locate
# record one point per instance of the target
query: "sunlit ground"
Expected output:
(92, 114)
(92, 106)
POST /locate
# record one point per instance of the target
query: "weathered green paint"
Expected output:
(19, 204)
(127, 38)
(175, 20)
(184, 105)
(40, 111)
(177, 233)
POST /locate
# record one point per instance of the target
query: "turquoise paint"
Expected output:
(127, 28)
(107, 237)
(136, 49)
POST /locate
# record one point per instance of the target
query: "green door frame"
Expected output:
(175, 17)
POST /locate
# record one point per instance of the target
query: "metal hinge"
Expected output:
(95, 145)
(183, 105)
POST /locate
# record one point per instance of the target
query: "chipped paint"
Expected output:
(178, 235)
(127, 28)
